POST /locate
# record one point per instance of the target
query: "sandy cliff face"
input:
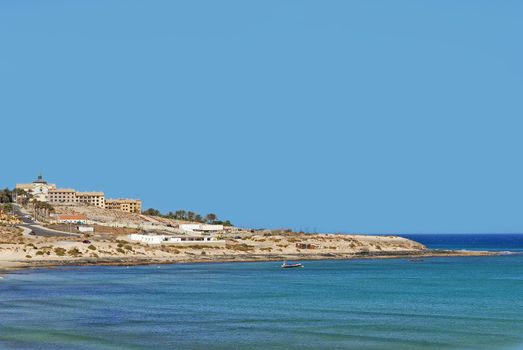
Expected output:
(99, 214)
(327, 243)
(108, 217)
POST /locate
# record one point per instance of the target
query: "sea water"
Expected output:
(434, 303)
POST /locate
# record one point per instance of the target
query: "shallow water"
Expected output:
(439, 303)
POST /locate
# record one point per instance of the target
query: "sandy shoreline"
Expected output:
(11, 266)
(20, 250)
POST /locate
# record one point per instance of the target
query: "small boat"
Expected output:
(288, 266)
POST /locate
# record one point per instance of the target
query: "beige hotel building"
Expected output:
(44, 192)
(127, 205)
(70, 196)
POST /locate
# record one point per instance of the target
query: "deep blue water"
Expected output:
(498, 242)
(438, 303)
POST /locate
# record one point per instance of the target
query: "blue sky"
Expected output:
(351, 116)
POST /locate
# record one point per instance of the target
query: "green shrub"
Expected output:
(239, 247)
(59, 251)
(74, 252)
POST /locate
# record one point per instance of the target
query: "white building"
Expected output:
(164, 239)
(201, 228)
(72, 219)
(85, 228)
(156, 239)
(39, 188)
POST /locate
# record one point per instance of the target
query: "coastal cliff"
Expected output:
(19, 249)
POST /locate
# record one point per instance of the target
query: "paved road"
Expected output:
(35, 227)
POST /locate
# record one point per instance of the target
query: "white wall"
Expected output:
(200, 227)
(146, 238)
(189, 227)
(161, 239)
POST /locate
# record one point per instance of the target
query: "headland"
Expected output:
(58, 229)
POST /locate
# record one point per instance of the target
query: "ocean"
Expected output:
(434, 303)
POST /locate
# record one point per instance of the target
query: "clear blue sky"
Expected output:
(353, 116)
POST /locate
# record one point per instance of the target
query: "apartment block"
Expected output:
(126, 205)
(91, 198)
(61, 195)
(70, 196)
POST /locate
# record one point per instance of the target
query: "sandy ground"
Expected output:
(18, 250)
(107, 216)
(118, 222)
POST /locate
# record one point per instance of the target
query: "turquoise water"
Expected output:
(440, 303)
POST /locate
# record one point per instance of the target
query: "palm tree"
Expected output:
(190, 215)
(23, 197)
(48, 209)
(6, 196)
(152, 212)
(36, 208)
(210, 218)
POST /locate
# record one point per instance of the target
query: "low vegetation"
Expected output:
(74, 252)
(240, 247)
(210, 218)
(60, 251)
(11, 235)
